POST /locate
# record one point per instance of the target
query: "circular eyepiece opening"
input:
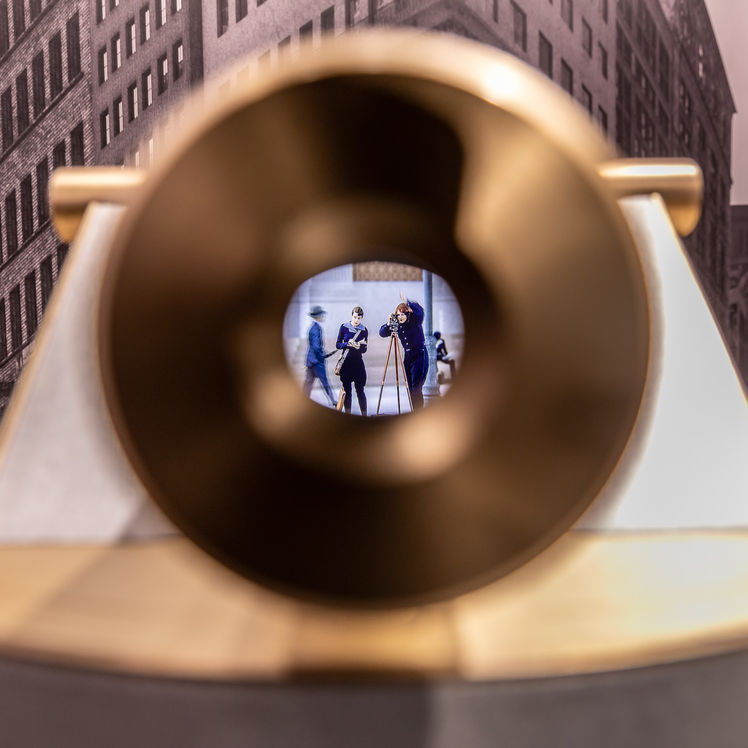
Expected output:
(374, 338)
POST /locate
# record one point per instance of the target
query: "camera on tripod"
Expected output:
(393, 324)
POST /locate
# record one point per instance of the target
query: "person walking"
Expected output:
(315, 356)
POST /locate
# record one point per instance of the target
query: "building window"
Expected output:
(587, 37)
(520, 27)
(4, 28)
(22, 101)
(116, 52)
(587, 99)
(162, 71)
(150, 150)
(16, 330)
(37, 78)
(131, 38)
(327, 20)
(6, 110)
(55, 66)
(160, 13)
(74, 48)
(132, 101)
(27, 208)
(222, 15)
(11, 223)
(663, 70)
(103, 58)
(241, 9)
(105, 124)
(147, 88)
(603, 60)
(178, 59)
(3, 331)
(42, 198)
(495, 11)
(47, 280)
(567, 78)
(351, 6)
(604, 13)
(76, 145)
(567, 13)
(306, 30)
(602, 118)
(29, 288)
(58, 155)
(62, 253)
(145, 24)
(100, 10)
(284, 46)
(19, 18)
(113, 4)
(545, 55)
(176, 6)
(119, 115)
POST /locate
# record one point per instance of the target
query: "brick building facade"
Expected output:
(146, 55)
(737, 288)
(572, 43)
(45, 122)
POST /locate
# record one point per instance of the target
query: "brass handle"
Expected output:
(72, 189)
(678, 180)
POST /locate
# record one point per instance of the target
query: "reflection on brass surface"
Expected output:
(164, 608)
(678, 180)
(73, 188)
(423, 150)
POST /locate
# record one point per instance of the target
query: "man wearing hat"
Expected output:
(315, 356)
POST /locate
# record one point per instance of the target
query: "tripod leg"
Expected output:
(405, 376)
(386, 364)
(397, 378)
(341, 398)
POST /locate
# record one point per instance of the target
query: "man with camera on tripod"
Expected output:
(407, 323)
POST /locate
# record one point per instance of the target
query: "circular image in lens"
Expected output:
(374, 338)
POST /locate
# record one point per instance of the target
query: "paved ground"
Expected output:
(389, 397)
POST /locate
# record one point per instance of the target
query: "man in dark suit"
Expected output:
(315, 356)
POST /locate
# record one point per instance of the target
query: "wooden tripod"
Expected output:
(394, 342)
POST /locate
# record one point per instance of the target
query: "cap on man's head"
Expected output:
(316, 311)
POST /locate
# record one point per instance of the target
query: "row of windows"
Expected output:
(15, 341)
(139, 94)
(327, 17)
(109, 56)
(107, 6)
(45, 79)
(18, 14)
(545, 49)
(34, 214)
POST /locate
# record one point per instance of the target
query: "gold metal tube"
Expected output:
(71, 190)
(678, 180)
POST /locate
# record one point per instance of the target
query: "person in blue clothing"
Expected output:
(315, 356)
(353, 340)
(409, 316)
